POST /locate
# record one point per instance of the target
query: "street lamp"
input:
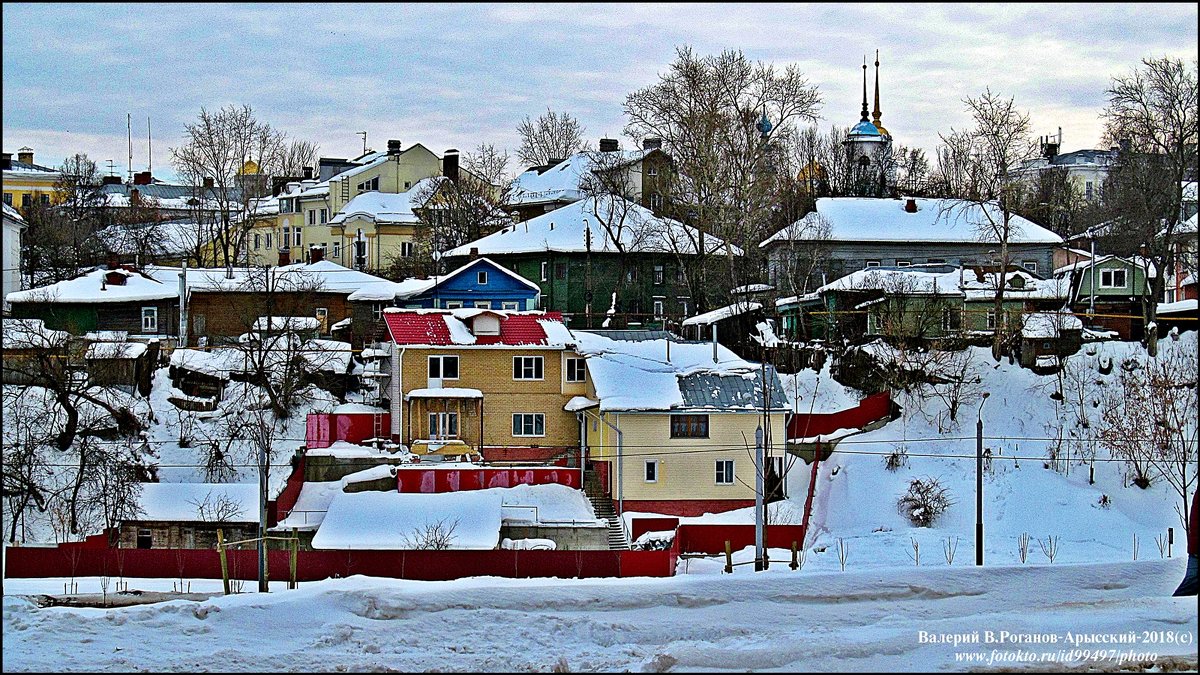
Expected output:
(979, 481)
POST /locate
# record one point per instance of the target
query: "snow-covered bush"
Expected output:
(924, 502)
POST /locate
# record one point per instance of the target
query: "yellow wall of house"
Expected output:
(19, 184)
(383, 242)
(397, 174)
(490, 370)
(686, 466)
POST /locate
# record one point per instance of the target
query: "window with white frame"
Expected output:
(406, 249)
(529, 424)
(873, 263)
(481, 278)
(951, 319)
(312, 217)
(655, 201)
(576, 370)
(651, 472)
(510, 305)
(443, 425)
(1112, 279)
(724, 472)
(454, 304)
(991, 319)
(257, 241)
(377, 310)
(337, 250)
(658, 309)
(1030, 265)
(543, 275)
(683, 306)
(297, 240)
(324, 216)
(659, 274)
(527, 368)
(286, 239)
(483, 304)
(903, 263)
(149, 319)
(323, 319)
(443, 367)
(268, 238)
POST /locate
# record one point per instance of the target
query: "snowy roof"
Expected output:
(936, 220)
(451, 327)
(1049, 324)
(172, 237)
(444, 392)
(736, 309)
(565, 230)
(330, 355)
(392, 290)
(561, 181)
(1177, 307)
(905, 280)
(707, 390)
(12, 214)
(578, 403)
(324, 276)
(752, 288)
(198, 502)
(288, 323)
(637, 376)
(394, 520)
(31, 334)
(216, 363)
(115, 350)
(87, 288)
(386, 207)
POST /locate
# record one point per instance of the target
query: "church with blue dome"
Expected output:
(869, 148)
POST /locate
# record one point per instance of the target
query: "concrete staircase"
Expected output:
(603, 506)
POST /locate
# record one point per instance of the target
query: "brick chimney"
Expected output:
(910, 206)
(393, 147)
(25, 155)
(450, 165)
(474, 253)
(208, 182)
(142, 178)
(316, 254)
(110, 180)
(651, 143)
(609, 145)
(308, 173)
(285, 256)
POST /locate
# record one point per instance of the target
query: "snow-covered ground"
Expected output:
(859, 620)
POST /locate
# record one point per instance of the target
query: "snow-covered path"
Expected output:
(855, 621)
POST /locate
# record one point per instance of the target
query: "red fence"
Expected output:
(286, 500)
(414, 479)
(26, 562)
(322, 429)
(702, 538)
(872, 408)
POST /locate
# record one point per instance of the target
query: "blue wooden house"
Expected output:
(480, 283)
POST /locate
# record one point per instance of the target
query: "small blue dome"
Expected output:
(864, 128)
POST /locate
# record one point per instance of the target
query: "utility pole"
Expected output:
(759, 552)
(979, 482)
(264, 437)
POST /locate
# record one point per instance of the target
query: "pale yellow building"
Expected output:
(686, 424)
(25, 182)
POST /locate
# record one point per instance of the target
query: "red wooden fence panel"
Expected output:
(870, 409)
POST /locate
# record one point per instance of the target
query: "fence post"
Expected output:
(795, 564)
(728, 557)
(224, 561)
(295, 554)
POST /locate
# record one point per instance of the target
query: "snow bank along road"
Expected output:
(778, 620)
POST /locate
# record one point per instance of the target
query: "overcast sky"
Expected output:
(455, 75)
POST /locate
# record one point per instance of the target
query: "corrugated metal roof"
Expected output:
(703, 390)
(636, 335)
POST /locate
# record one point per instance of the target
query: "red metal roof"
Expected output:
(429, 328)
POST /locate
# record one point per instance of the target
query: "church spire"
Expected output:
(864, 110)
(876, 114)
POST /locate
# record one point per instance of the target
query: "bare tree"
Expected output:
(432, 536)
(976, 167)
(1153, 112)
(709, 113)
(295, 156)
(217, 508)
(1150, 421)
(551, 136)
(218, 148)
(59, 243)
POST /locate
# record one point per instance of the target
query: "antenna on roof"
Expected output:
(149, 147)
(129, 137)
(364, 135)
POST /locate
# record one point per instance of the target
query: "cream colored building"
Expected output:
(686, 424)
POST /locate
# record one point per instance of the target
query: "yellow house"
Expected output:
(675, 435)
(476, 381)
(25, 182)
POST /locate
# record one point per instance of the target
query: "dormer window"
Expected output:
(481, 278)
(486, 324)
(115, 278)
